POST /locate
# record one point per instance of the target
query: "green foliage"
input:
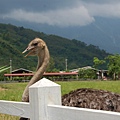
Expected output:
(97, 62)
(114, 65)
(87, 74)
(51, 66)
(13, 40)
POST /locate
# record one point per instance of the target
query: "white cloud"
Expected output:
(62, 17)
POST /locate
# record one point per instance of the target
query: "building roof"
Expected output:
(45, 74)
(85, 68)
(21, 70)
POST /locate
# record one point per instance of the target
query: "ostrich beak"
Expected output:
(26, 50)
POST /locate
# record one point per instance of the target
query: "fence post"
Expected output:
(42, 93)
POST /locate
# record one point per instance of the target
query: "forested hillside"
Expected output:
(13, 40)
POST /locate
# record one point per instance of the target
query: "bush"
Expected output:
(87, 74)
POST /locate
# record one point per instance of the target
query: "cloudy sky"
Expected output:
(60, 13)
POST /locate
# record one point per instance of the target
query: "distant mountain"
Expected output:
(13, 40)
(104, 32)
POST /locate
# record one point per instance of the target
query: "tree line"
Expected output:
(112, 63)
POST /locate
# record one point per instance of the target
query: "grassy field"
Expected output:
(13, 91)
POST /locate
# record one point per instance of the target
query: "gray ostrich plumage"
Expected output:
(93, 99)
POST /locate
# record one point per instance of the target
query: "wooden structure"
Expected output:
(52, 76)
(45, 104)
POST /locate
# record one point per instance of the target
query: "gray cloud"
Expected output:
(104, 10)
(100, 1)
(61, 13)
(35, 5)
(63, 17)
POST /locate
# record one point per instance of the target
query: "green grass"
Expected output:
(112, 86)
(13, 91)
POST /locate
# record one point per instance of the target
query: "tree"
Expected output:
(114, 65)
(97, 62)
(87, 74)
(51, 67)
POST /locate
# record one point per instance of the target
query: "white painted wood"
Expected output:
(42, 93)
(72, 113)
(14, 108)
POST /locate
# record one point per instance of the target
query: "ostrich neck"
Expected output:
(43, 60)
(41, 57)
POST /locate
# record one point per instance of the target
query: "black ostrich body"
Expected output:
(93, 99)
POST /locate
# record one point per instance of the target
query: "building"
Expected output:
(25, 75)
(21, 70)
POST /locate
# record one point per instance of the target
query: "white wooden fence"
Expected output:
(45, 104)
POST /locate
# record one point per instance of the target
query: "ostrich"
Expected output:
(93, 99)
(83, 97)
(36, 47)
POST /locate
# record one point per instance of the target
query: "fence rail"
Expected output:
(15, 108)
(45, 104)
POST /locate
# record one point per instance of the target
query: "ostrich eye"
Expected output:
(35, 44)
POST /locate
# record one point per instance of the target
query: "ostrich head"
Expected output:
(34, 47)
